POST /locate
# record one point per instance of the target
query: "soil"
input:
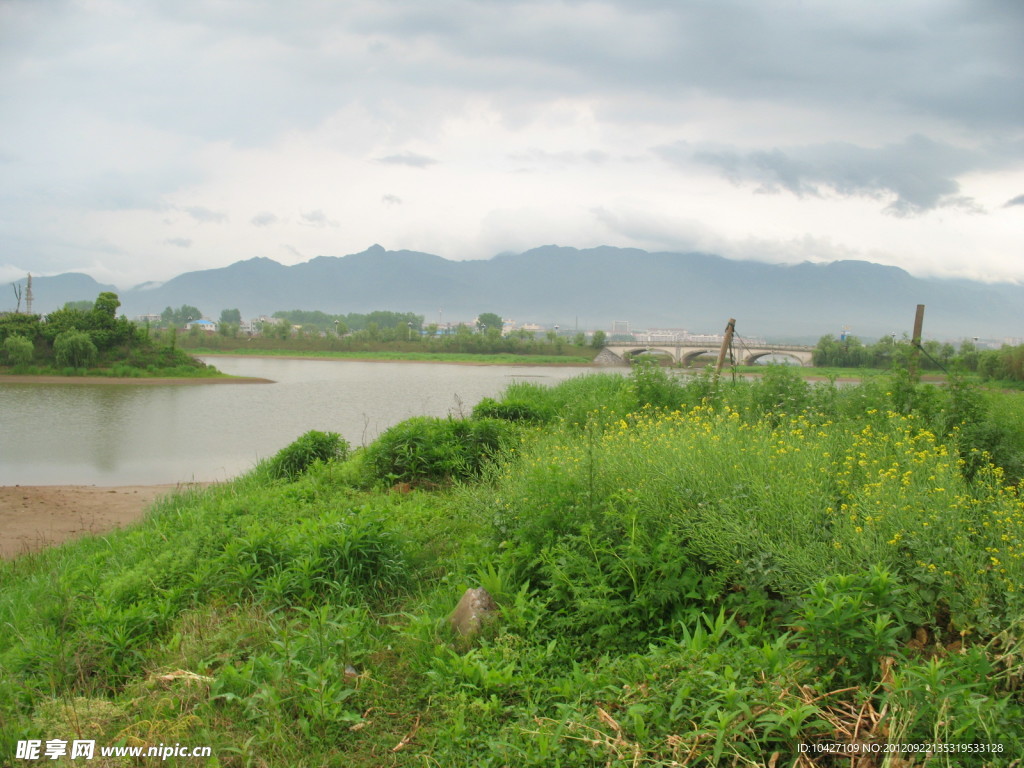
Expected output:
(36, 516)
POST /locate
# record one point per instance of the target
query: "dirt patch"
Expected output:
(36, 516)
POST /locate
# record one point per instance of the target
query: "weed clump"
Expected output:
(429, 450)
(297, 457)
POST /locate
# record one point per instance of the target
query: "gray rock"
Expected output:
(476, 607)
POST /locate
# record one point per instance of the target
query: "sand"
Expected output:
(36, 516)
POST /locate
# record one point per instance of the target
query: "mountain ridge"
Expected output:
(586, 288)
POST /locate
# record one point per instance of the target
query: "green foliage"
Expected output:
(297, 457)
(75, 349)
(84, 305)
(653, 385)
(19, 350)
(106, 305)
(693, 580)
(230, 316)
(599, 339)
(515, 408)
(178, 318)
(847, 623)
(490, 321)
(14, 324)
(436, 450)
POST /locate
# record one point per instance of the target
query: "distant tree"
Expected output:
(489, 320)
(12, 324)
(20, 350)
(74, 348)
(230, 316)
(176, 318)
(580, 339)
(598, 340)
(81, 306)
(107, 304)
(968, 355)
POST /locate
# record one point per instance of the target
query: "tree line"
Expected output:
(1004, 364)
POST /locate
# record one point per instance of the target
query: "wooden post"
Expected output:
(726, 342)
(915, 342)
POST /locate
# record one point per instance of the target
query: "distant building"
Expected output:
(203, 325)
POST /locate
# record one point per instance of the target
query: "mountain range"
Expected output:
(586, 289)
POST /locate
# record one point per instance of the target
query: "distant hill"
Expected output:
(587, 288)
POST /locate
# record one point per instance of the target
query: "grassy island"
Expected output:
(690, 573)
(76, 341)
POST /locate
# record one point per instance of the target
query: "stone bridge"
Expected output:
(684, 353)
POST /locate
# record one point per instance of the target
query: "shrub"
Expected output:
(848, 622)
(654, 386)
(74, 349)
(294, 459)
(19, 350)
(513, 410)
(435, 450)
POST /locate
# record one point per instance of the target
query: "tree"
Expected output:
(230, 316)
(176, 318)
(599, 339)
(74, 348)
(107, 304)
(82, 306)
(490, 320)
(20, 350)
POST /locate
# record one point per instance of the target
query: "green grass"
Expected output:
(686, 574)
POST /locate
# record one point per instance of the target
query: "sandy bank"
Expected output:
(36, 516)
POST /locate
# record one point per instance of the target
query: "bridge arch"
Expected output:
(650, 352)
(686, 358)
(753, 357)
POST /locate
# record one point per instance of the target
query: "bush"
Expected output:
(294, 459)
(19, 350)
(74, 349)
(848, 622)
(513, 410)
(435, 450)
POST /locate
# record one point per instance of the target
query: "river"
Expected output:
(132, 434)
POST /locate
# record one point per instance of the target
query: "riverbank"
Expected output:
(33, 517)
(14, 378)
(402, 357)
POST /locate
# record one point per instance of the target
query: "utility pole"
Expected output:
(28, 295)
(726, 343)
(915, 342)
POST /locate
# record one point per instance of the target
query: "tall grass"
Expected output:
(687, 572)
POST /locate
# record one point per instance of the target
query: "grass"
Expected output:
(420, 357)
(686, 574)
(119, 371)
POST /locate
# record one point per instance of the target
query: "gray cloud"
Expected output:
(318, 218)
(1018, 200)
(264, 219)
(205, 215)
(119, 107)
(410, 159)
(914, 176)
(180, 242)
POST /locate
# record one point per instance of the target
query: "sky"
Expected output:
(140, 139)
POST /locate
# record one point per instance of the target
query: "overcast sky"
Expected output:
(141, 139)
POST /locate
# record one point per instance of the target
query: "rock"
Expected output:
(475, 608)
